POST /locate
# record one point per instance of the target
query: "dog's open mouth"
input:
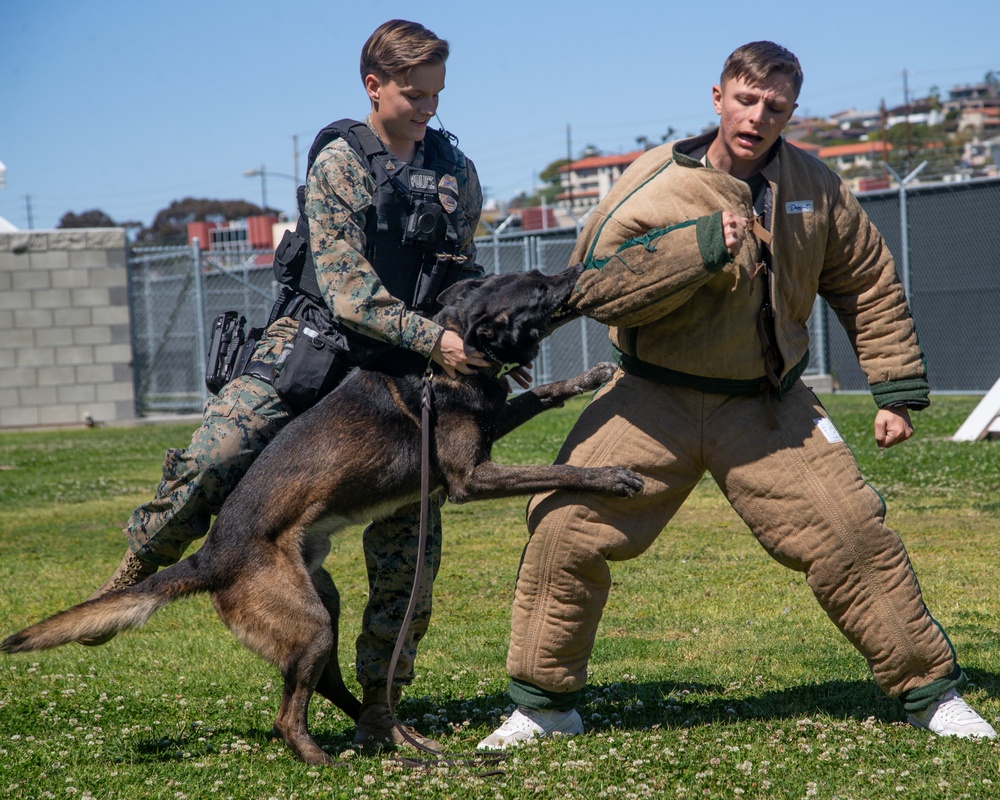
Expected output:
(562, 314)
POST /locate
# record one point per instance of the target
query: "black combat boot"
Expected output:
(375, 728)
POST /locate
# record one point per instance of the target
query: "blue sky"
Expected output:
(126, 106)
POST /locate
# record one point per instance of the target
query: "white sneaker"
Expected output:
(530, 723)
(950, 715)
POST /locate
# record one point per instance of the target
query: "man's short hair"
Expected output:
(397, 46)
(757, 61)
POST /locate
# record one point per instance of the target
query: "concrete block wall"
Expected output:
(65, 337)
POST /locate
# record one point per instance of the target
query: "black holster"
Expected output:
(230, 349)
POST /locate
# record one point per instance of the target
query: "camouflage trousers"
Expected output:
(236, 426)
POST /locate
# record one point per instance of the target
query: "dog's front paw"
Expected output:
(623, 481)
(594, 377)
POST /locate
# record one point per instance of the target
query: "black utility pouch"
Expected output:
(316, 364)
(289, 258)
(228, 339)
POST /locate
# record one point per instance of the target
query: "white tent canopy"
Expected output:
(984, 421)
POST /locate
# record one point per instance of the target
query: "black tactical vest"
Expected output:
(411, 238)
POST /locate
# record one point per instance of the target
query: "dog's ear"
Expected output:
(482, 332)
(487, 329)
(451, 313)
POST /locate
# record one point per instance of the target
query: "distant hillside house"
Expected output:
(588, 180)
(959, 96)
(980, 119)
(852, 118)
(983, 154)
(919, 112)
(863, 155)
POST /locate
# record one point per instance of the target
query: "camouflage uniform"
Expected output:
(248, 413)
(338, 192)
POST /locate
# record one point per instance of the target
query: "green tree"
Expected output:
(551, 173)
(95, 218)
(548, 192)
(930, 143)
(934, 98)
(169, 226)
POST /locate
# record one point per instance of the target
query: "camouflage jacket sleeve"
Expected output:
(338, 193)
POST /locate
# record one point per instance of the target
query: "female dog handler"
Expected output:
(705, 259)
(363, 275)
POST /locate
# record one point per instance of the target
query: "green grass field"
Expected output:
(715, 674)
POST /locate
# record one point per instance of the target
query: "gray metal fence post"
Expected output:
(821, 351)
(533, 260)
(199, 304)
(142, 332)
(904, 232)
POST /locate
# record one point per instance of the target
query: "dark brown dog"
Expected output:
(353, 457)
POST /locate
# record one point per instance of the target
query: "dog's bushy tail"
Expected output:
(111, 613)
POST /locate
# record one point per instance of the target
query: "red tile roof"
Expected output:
(594, 162)
(837, 150)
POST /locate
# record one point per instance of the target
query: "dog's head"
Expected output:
(504, 317)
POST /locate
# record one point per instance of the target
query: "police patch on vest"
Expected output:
(422, 180)
(448, 193)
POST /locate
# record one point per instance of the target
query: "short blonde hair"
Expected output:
(757, 61)
(397, 46)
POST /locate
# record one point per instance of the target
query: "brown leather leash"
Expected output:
(476, 759)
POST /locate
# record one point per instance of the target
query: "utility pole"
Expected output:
(906, 111)
(295, 158)
(263, 189)
(885, 141)
(27, 205)
(569, 161)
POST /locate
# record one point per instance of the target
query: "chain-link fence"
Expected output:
(175, 294)
(951, 265)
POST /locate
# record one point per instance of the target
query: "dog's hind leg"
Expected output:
(331, 683)
(302, 671)
(277, 612)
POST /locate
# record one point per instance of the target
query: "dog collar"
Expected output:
(504, 369)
